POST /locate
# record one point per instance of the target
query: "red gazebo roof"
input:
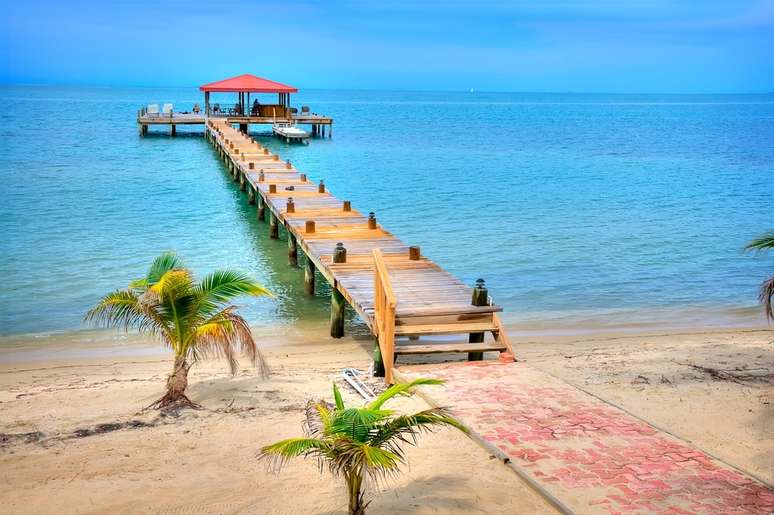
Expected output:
(247, 83)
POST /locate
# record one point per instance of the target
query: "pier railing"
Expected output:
(385, 305)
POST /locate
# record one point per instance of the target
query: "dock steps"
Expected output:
(416, 329)
(439, 348)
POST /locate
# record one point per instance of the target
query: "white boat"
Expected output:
(289, 131)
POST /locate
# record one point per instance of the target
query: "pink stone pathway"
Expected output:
(592, 457)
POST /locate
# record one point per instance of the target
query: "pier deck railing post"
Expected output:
(480, 298)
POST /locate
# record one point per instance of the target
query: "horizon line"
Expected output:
(470, 90)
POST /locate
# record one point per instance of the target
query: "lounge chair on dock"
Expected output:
(153, 110)
(166, 109)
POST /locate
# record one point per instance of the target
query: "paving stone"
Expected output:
(591, 456)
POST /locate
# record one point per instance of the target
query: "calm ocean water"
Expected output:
(581, 211)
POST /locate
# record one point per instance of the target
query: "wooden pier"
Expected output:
(400, 294)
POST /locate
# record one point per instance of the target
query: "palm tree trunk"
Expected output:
(354, 485)
(177, 382)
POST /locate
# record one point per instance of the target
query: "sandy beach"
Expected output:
(74, 433)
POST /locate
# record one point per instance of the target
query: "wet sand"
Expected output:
(74, 434)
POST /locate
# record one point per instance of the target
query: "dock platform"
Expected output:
(400, 294)
(319, 125)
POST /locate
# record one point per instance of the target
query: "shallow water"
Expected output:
(580, 211)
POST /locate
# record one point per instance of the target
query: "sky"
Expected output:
(625, 46)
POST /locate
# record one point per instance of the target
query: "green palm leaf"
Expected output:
(401, 389)
(763, 242)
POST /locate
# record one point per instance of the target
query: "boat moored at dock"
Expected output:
(289, 132)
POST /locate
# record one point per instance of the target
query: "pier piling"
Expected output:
(337, 299)
(273, 226)
(292, 250)
(309, 276)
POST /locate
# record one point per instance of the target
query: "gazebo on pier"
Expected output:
(243, 86)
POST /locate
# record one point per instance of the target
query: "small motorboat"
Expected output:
(289, 132)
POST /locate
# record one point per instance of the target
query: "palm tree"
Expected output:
(193, 318)
(763, 243)
(359, 442)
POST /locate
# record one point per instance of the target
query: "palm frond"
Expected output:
(355, 423)
(406, 428)
(765, 296)
(224, 285)
(123, 309)
(165, 262)
(761, 243)
(401, 389)
(279, 453)
(337, 397)
(224, 335)
(359, 456)
(318, 418)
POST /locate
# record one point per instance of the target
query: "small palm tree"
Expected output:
(359, 442)
(763, 243)
(193, 318)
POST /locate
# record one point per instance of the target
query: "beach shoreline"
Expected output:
(55, 389)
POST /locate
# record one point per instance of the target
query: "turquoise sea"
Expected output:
(582, 212)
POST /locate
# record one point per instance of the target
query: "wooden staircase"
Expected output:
(452, 317)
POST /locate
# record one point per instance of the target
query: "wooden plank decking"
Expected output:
(396, 291)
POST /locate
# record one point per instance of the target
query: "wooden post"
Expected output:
(174, 129)
(309, 227)
(261, 176)
(347, 206)
(273, 226)
(480, 298)
(371, 220)
(378, 361)
(288, 165)
(414, 253)
(261, 209)
(292, 250)
(309, 276)
(337, 299)
(321, 187)
(303, 177)
(272, 188)
(290, 206)
(242, 182)
(250, 195)
(251, 165)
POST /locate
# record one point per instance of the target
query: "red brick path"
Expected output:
(591, 456)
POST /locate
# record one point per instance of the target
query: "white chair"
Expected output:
(166, 109)
(153, 109)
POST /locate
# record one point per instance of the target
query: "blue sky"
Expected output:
(552, 45)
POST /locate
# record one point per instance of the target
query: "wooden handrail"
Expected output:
(385, 304)
(384, 278)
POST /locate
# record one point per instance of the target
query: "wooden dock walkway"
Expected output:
(400, 294)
